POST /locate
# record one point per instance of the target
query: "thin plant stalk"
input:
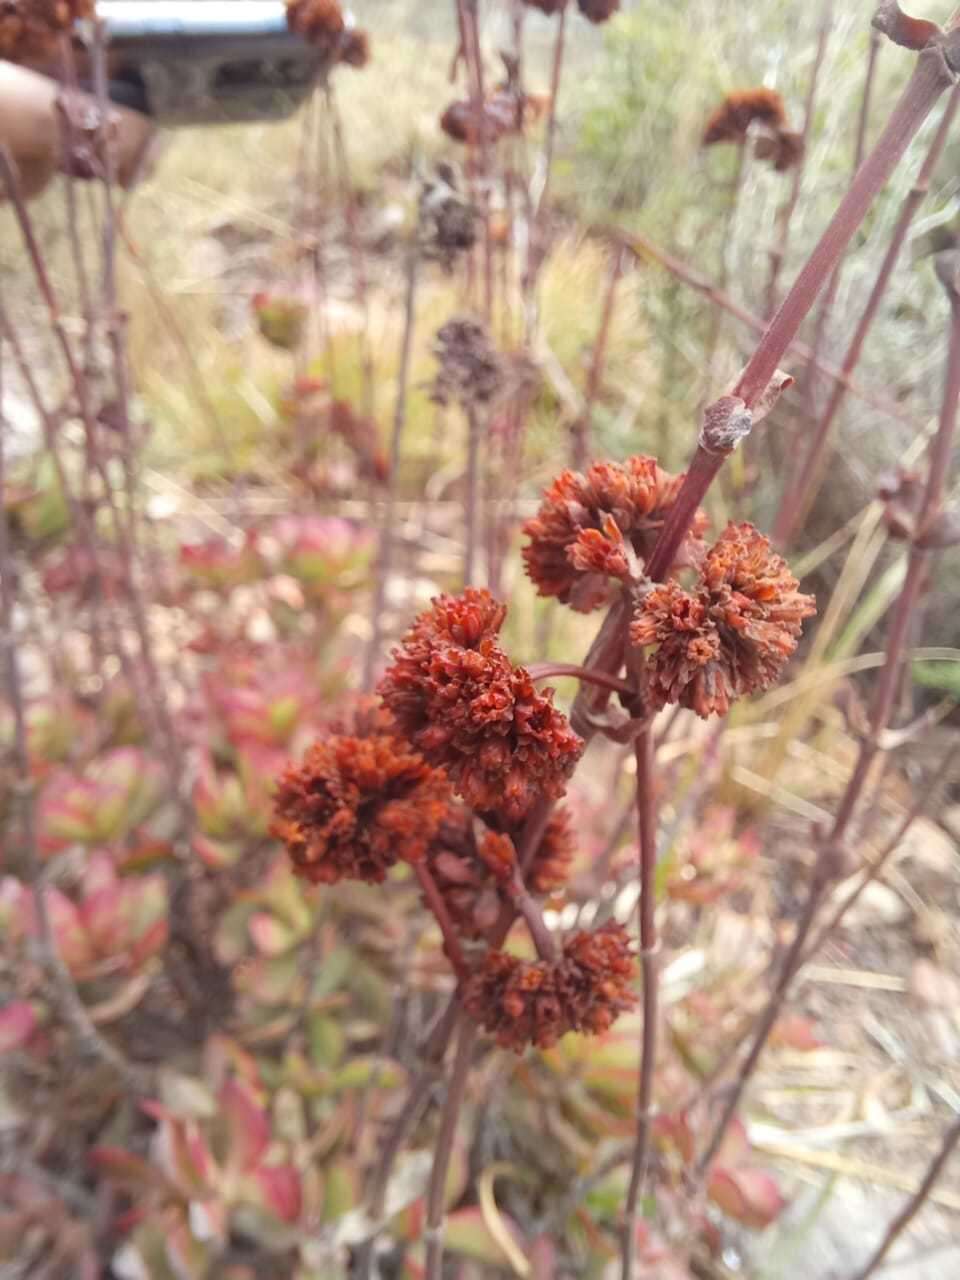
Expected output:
(797, 496)
(931, 76)
(71, 1008)
(875, 868)
(646, 911)
(833, 284)
(830, 852)
(644, 249)
(778, 255)
(916, 1202)
(387, 527)
(580, 432)
(474, 60)
(456, 1091)
(472, 497)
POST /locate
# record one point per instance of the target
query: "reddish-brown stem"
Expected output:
(646, 912)
(385, 549)
(456, 1090)
(830, 849)
(348, 197)
(471, 499)
(930, 77)
(68, 1002)
(875, 868)
(580, 432)
(791, 964)
(475, 68)
(644, 249)
(833, 284)
(909, 1211)
(556, 72)
(451, 942)
(778, 254)
(519, 896)
(602, 679)
(797, 496)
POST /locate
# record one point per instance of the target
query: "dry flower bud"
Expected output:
(590, 525)
(462, 703)
(535, 1003)
(725, 423)
(784, 149)
(729, 637)
(448, 221)
(354, 807)
(731, 121)
(598, 10)
(470, 371)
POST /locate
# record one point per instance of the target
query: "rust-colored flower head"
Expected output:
(598, 10)
(29, 28)
(590, 526)
(471, 371)
(784, 149)
(319, 22)
(739, 110)
(732, 635)
(469, 864)
(462, 703)
(355, 806)
(535, 1003)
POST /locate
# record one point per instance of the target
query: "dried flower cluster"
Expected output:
(731, 122)
(598, 10)
(471, 372)
(356, 806)
(589, 526)
(461, 702)
(732, 119)
(524, 1003)
(467, 868)
(322, 24)
(448, 221)
(729, 637)
(29, 28)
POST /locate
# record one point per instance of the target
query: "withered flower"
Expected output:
(448, 221)
(355, 806)
(587, 524)
(462, 703)
(784, 149)
(320, 22)
(468, 867)
(732, 635)
(739, 110)
(471, 372)
(598, 10)
(355, 48)
(29, 28)
(535, 1003)
(362, 436)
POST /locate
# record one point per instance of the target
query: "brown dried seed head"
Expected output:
(598, 10)
(739, 110)
(732, 635)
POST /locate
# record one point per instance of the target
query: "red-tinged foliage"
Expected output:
(118, 792)
(732, 635)
(713, 861)
(458, 698)
(18, 1024)
(748, 1195)
(588, 525)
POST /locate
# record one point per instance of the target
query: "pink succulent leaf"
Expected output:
(217, 854)
(248, 1125)
(748, 1195)
(18, 1022)
(182, 1154)
(281, 1190)
(126, 1169)
(270, 936)
(794, 1031)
